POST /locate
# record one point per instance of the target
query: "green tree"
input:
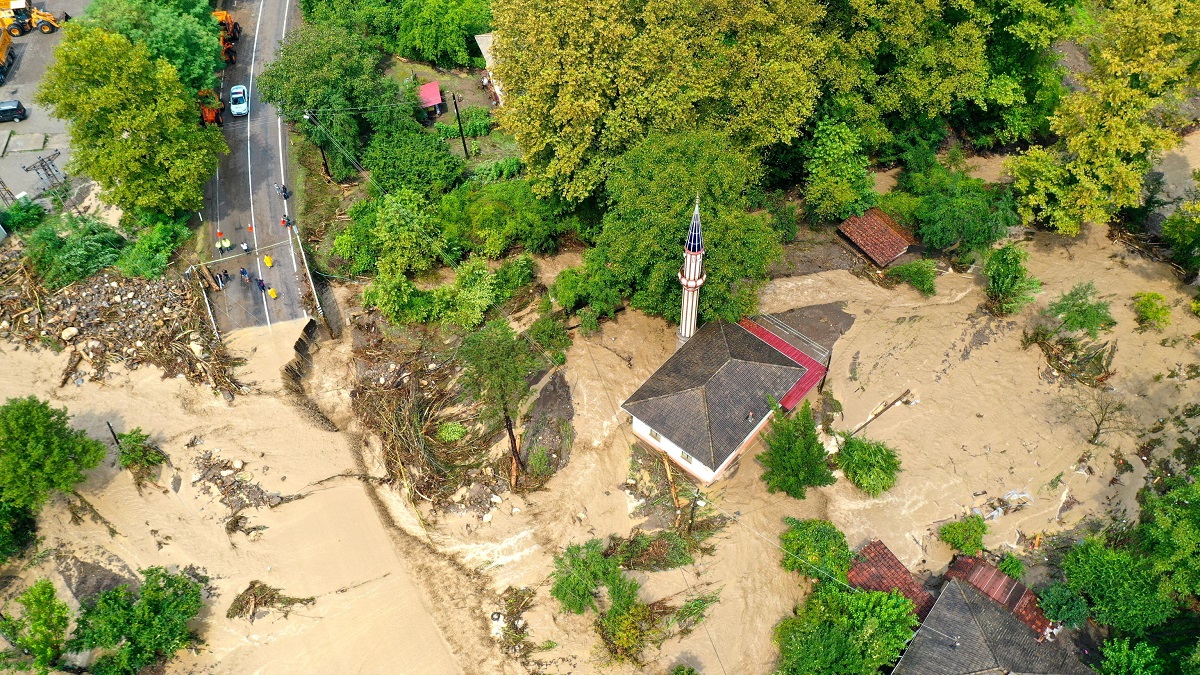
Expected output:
(651, 191)
(1114, 129)
(953, 208)
(870, 465)
(920, 274)
(1122, 659)
(850, 632)
(817, 549)
(40, 452)
(41, 630)
(402, 156)
(1170, 534)
(152, 155)
(1060, 603)
(1181, 231)
(965, 535)
(498, 363)
(1079, 310)
(1010, 287)
(838, 184)
(159, 237)
(334, 78)
(396, 232)
(794, 460)
(579, 571)
(443, 31)
(17, 528)
(1120, 586)
(182, 32)
(491, 218)
(139, 628)
(622, 70)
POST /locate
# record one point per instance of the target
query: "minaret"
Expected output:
(692, 277)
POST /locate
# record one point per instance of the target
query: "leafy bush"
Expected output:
(40, 452)
(1079, 310)
(845, 632)
(809, 544)
(88, 246)
(500, 169)
(952, 208)
(1120, 586)
(22, 215)
(794, 460)
(490, 218)
(412, 159)
(579, 571)
(870, 465)
(965, 535)
(1060, 603)
(1012, 566)
(589, 321)
(1169, 534)
(551, 335)
(920, 274)
(1122, 659)
(160, 235)
(539, 465)
(1009, 285)
(17, 528)
(1151, 311)
(476, 122)
(902, 207)
(1181, 231)
(41, 630)
(683, 669)
(136, 450)
(138, 629)
(839, 184)
(451, 432)
(513, 274)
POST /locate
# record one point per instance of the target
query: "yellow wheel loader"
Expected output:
(21, 17)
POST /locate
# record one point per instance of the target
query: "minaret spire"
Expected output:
(692, 277)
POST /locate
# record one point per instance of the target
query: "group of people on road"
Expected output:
(224, 246)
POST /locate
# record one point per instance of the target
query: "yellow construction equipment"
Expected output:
(22, 17)
(6, 56)
(230, 32)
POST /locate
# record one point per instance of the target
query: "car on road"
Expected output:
(239, 102)
(12, 111)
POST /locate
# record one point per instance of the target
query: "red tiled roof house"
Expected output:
(878, 236)
(878, 569)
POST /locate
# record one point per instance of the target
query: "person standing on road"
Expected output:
(228, 246)
(245, 248)
(283, 192)
(268, 261)
(271, 292)
(278, 190)
(261, 286)
(245, 275)
(225, 273)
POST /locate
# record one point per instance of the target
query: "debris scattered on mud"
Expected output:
(235, 484)
(109, 319)
(259, 596)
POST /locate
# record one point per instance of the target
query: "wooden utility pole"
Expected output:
(461, 135)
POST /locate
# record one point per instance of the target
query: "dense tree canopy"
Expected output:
(148, 152)
(331, 75)
(794, 460)
(651, 192)
(851, 632)
(439, 31)
(588, 80)
(183, 32)
(1121, 587)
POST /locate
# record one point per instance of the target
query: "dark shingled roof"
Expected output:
(878, 569)
(880, 237)
(712, 393)
(1000, 587)
(989, 640)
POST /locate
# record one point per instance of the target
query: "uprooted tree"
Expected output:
(498, 364)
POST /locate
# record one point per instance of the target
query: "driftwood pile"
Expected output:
(109, 319)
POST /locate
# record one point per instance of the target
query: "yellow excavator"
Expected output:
(21, 17)
(230, 32)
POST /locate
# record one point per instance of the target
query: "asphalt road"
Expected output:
(241, 202)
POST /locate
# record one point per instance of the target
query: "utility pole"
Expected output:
(461, 135)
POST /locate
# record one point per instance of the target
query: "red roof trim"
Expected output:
(1001, 588)
(812, 375)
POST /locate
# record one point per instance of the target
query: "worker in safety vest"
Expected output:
(271, 292)
(268, 260)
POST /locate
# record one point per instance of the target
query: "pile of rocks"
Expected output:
(235, 484)
(110, 319)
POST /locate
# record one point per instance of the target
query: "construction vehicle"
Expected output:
(212, 108)
(7, 58)
(22, 17)
(230, 32)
